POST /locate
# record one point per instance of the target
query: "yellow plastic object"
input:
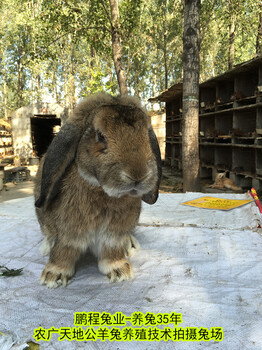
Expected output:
(217, 203)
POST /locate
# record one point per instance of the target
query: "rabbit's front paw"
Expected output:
(53, 276)
(116, 271)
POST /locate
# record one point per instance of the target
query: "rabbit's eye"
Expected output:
(101, 138)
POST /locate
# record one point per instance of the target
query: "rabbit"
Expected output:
(90, 185)
(222, 181)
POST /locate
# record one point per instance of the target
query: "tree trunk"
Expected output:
(64, 75)
(116, 47)
(32, 92)
(190, 123)
(71, 74)
(4, 87)
(38, 88)
(231, 54)
(164, 9)
(5, 99)
(54, 85)
(65, 91)
(259, 33)
(165, 59)
(154, 81)
(19, 83)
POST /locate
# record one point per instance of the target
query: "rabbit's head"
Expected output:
(113, 145)
(220, 176)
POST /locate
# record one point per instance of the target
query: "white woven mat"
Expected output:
(203, 264)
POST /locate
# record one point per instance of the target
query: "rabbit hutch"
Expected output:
(34, 127)
(6, 143)
(230, 124)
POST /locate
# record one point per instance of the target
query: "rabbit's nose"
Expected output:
(134, 179)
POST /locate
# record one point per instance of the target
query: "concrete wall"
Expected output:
(21, 125)
(158, 121)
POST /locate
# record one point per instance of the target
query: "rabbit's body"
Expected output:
(221, 181)
(95, 200)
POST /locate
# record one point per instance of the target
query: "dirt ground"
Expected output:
(19, 190)
(172, 181)
(13, 191)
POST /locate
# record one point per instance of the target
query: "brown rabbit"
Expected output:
(221, 181)
(90, 184)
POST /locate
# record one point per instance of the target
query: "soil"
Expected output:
(19, 190)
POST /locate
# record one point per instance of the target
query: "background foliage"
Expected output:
(61, 50)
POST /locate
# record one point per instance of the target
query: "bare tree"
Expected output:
(116, 47)
(190, 125)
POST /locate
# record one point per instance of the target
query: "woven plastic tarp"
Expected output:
(205, 265)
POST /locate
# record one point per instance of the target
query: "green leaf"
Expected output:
(6, 272)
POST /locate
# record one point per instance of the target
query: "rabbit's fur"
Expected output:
(222, 181)
(90, 184)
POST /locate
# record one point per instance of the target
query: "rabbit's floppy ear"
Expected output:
(151, 197)
(59, 156)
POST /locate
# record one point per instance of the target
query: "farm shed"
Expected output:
(34, 126)
(230, 124)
